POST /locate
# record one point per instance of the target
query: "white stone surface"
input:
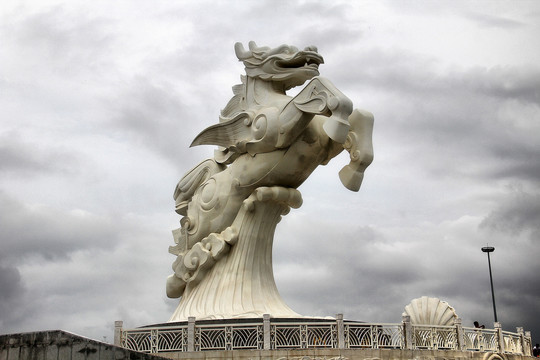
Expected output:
(269, 144)
(430, 311)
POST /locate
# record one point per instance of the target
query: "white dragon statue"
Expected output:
(268, 145)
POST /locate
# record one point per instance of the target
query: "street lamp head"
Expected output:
(488, 249)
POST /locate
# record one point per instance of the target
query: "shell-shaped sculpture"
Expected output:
(430, 311)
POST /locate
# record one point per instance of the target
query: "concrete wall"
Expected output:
(61, 345)
(344, 354)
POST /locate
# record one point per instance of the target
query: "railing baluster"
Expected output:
(154, 341)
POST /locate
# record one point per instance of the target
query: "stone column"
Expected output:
(519, 330)
(459, 334)
(527, 350)
(340, 331)
(266, 331)
(407, 329)
(500, 338)
(118, 332)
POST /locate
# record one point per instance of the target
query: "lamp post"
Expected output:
(489, 249)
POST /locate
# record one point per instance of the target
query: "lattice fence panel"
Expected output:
(212, 339)
(173, 340)
(138, 341)
(320, 337)
(358, 336)
(473, 339)
(245, 338)
(422, 337)
(445, 338)
(480, 339)
(490, 340)
(512, 343)
(390, 336)
(283, 336)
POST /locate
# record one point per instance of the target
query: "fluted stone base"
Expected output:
(241, 283)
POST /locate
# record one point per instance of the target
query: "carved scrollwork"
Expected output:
(189, 184)
(192, 265)
(209, 194)
(259, 127)
(264, 135)
(495, 356)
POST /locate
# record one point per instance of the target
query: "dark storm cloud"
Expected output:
(464, 115)
(67, 38)
(515, 158)
(324, 33)
(512, 297)
(412, 75)
(10, 282)
(515, 278)
(328, 37)
(385, 269)
(20, 157)
(513, 226)
(501, 22)
(373, 269)
(504, 83)
(10, 295)
(518, 211)
(195, 61)
(266, 28)
(53, 261)
(49, 232)
(153, 114)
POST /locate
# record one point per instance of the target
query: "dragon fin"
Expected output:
(233, 133)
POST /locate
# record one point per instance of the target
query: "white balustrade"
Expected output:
(268, 333)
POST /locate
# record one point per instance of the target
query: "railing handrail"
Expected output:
(505, 332)
(327, 333)
(473, 329)
(433, 326)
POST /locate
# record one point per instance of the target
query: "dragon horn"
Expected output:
(241, 53)
(252, 45)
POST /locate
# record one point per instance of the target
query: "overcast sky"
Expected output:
(99, 101)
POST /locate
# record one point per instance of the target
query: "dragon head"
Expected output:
(284, 64)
